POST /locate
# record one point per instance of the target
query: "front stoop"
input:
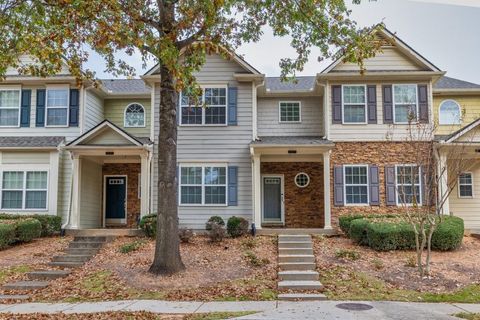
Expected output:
(297, 269)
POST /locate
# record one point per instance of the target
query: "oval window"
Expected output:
(302, 180)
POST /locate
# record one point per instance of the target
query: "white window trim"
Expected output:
(419, 184)
(355, 104)
(203, 124)
(24, 191)
(308, 180)
(67, 107)
(203, 184)
(459, 111)
(125, 116)
(416, 102)
(13, 108)
(280, 111)
(345, 186)
(459, 184)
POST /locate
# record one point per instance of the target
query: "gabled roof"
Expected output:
(452, 83)
(107, 124)
(402, 46)
(460, 132)
(31, 142)
(125, 86)
(301, 84)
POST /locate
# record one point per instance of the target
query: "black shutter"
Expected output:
(390, 189)
(25, 108)
(336, 104)
(387, 104)
(40, 111)
(74, 107)
(423, 103)
(372, 104)
(338, 186)
(232, 106)
(374, 186)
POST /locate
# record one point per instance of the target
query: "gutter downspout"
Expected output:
(254, 109)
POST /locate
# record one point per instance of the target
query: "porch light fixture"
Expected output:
(292, 151)
(477, 150)
(109, 153)
(302, 180)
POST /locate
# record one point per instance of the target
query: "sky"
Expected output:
(446, 32)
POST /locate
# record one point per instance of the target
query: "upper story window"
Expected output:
(290, 111)
(214, 111)
(57, 107)
(9, 108)
(449, 112)
(405, 103)
(408, 184)
(354, 104)
(465, 185)
(134, 116)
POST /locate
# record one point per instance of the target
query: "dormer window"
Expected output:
(134, 116)
(9, 108)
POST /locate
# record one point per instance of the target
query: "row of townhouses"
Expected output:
(281, 154)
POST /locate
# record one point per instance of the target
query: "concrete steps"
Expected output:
(25, 285)
(62, 264)
(85, 245)
(297, 267)
(82, 251)
(72, 258)
(47, 274)
(4, 297)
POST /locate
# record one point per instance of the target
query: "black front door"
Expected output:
(115, 199)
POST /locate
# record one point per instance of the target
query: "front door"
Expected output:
(272, 199)
(115, 199)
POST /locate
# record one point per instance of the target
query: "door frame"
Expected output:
(282, 196)
(114, 221)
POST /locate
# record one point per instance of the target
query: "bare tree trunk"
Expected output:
(429, 248)
(167, 258)
(419, 250)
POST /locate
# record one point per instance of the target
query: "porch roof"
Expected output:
(51, 142)
(300, 141)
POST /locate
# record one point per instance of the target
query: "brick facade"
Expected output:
(370, 153)
(303, 206)
(132, 170)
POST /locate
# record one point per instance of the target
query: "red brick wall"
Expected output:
(132, 170)
(303, 206)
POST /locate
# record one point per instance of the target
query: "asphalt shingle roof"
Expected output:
(30, 142)
(452, 83)
(126, 86)
(275, 84)
(300, 140)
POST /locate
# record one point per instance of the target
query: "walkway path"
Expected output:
(269, 310)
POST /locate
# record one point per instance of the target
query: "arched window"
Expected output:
(449, 112)
(134, 115)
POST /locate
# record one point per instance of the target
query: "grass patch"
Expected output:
(218, 315)
(468, 316)
(8, 272)
(131, 246)
(268, 294)
(254, 260)
(347, 254)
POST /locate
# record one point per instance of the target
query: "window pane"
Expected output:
(356, 194)
(355, 175)
(466, 191)
(289, 112)
(36, 200)
(354, 114)
(405, 175)
(57, 116)
(405, 113)
(191, 115)
(465, 178)
(135, 116)
(12, 199)
(215, 175)
(407, 194)
(191, 175)
(191, 195)
(215, 195)
(449, 113)
(354, 94)
(10, 99)
(37, 180)
(215, 115)
(9, 117)
(57, 98)
(12, 180)
(216, 96)
(405, 94)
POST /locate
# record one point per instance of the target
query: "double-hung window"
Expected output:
(405, 103)
(290, 111)
(9, 108)
(465, 185)
(203, 185)
(354, 104)
(24, 190)
(57, 107)
(356, 184)
(408, 184)
(212, 109)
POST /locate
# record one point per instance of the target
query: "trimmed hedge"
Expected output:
(237, 226)
(149, 225)
(345, 221)
(385, 236)
(358, 231)
(449, 234)
(7, 235)
(28, 229)
(214, 219)
(51, 225)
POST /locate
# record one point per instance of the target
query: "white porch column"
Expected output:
(76, 196)
(257, 187)
(145, 185)
(442, 168)
(326, 190)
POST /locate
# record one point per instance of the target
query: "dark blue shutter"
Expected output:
(74, 107)
(40, 112)
(387, 104)
(232, 106)
(372, 104)
(374, 186)
(336, 104)
(338, 186)
(390, 188)
(423, 103)
(25, 108)
(233, 186)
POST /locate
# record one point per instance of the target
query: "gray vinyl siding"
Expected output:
(311, 117)
(223, 144)
(93, 113)
(115, 112)
(91, 193)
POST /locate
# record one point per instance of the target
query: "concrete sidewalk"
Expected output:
(266, 309)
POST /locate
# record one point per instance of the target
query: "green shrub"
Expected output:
(149, 225)
(27, 229)
(51, 225)
(358, 231)
(448, 235)
(386, 236)
(7, 235)
(405, 236)
(237, 226)
(216, 232)
(214, 219)
(345, 221)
